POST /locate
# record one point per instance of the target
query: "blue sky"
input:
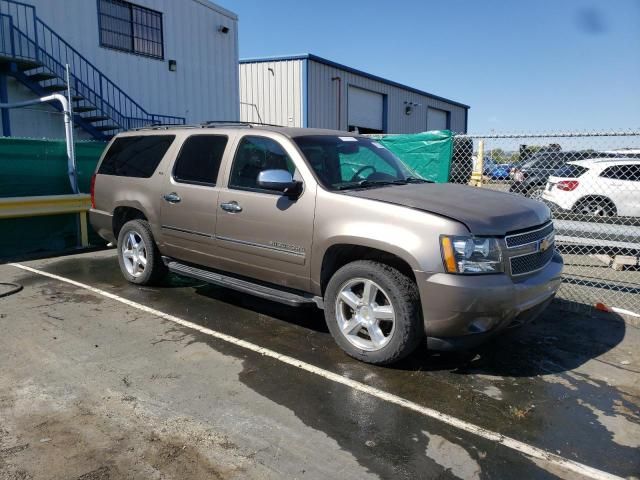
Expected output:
(533, 65)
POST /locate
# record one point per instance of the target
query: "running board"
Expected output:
(256, 289)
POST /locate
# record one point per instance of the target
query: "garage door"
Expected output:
(366, 110)
(437, 119)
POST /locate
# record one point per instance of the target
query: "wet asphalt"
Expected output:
(569, 383)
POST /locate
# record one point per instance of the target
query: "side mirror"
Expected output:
(280, 181)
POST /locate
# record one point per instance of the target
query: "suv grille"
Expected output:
(532, 261)
(531, 236)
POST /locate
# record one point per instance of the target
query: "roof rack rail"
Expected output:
(159, 126)
(239, 123)
(207, 124)
(213, 123)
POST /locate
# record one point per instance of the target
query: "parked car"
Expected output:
(600, 187)
(494, 170)
(305, 216)
(461, 160)
(530, 178)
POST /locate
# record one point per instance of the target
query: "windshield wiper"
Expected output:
(364, 184)
(416, 180)
(374, 183)
(381, 183)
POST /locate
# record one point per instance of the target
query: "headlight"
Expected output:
(467, 254)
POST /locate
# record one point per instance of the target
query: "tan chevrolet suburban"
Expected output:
(303, 216)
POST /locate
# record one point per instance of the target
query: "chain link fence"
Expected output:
(591, 182)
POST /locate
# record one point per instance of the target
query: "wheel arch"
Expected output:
(340, 254)
(123, 214)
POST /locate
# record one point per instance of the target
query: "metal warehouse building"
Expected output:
(132, 63)
(310, 91)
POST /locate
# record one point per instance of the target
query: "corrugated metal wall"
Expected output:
(271, 92)
(204, 87)
(323, 102)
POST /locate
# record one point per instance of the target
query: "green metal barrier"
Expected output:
(30, 167)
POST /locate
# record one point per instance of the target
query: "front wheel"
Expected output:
(373, 312)
(138, 256)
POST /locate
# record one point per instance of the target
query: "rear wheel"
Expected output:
(138, 255)
(595, 207)
(536, 193)
(373, 312)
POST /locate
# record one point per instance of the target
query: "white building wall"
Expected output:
(271, 92)
(36, 121)
(204, 87)
(323, 101)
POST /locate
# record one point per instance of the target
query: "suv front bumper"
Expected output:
(463, 311)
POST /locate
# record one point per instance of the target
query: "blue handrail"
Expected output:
(31, 38)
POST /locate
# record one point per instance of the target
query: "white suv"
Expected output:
(598, 186)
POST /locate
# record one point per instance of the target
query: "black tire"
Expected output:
(155, 271)
(404, 297)
(596, 207)
(535, 193)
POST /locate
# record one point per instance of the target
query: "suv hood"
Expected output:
(484, 212)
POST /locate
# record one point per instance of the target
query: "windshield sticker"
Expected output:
(348, 139)
(377, 145)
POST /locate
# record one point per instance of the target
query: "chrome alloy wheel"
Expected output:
(134, 254)
(594, 209)
(365, 314)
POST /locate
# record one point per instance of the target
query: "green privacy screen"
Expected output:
(428, 153)
(30, 167)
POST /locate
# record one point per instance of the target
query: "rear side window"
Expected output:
(135, 156)
(623, 172)
(570, 171)
(199, 160)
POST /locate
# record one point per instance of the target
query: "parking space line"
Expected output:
(513, 444)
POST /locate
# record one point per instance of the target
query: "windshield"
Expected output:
(341, 163)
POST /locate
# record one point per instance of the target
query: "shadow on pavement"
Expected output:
(309, 317)
(561, 339)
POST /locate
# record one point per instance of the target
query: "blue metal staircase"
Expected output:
(36, 55)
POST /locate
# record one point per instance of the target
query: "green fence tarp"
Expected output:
(30, 167)
(428, 153)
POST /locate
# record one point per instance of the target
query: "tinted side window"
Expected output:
(199, 160)
(570, 171)
(610, 172)
(623, 172)
(254, 155)
(135, 156)
(633, 173)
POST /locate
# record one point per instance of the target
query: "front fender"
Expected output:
(411, 235)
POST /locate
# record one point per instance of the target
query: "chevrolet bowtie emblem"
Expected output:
(545, 243)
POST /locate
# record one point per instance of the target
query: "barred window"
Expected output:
(131, 28)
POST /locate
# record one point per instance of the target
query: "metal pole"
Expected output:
(478, 168)
(71, 148)
(480, 161)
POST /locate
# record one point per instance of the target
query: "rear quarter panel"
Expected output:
(144, 194)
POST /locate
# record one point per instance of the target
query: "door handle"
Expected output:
(231, 207)
(172, 197)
